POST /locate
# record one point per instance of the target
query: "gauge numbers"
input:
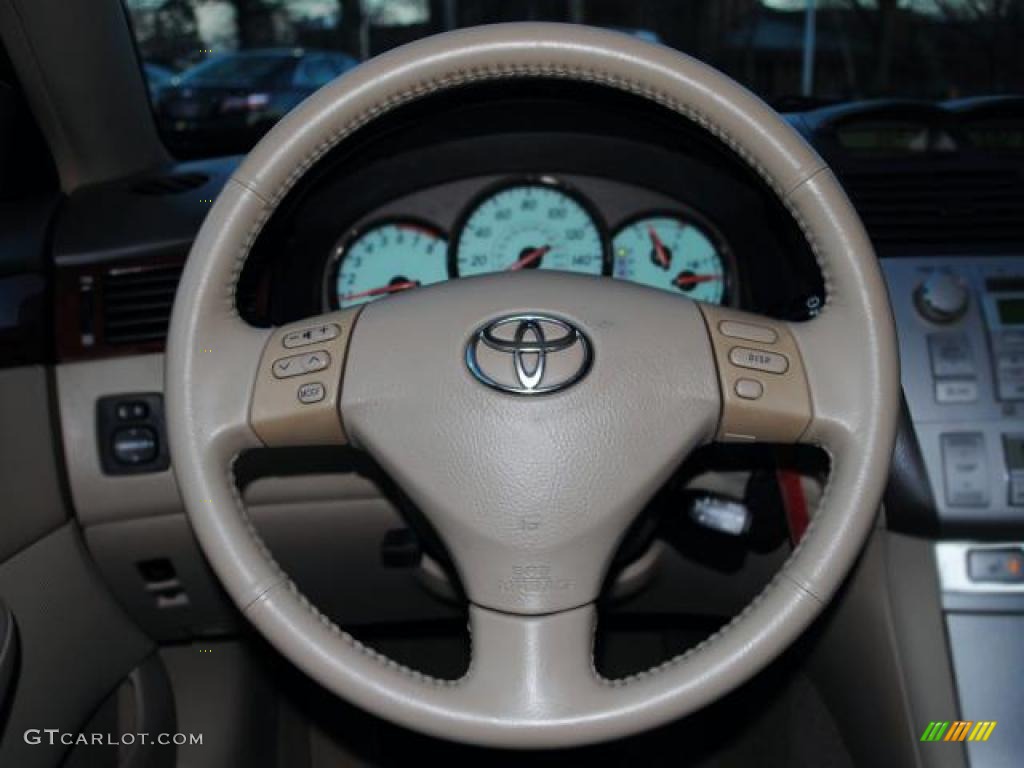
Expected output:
(670, 252)
(388, 258)
(529, 226)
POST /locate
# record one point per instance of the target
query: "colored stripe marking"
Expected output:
(959, 730)
(935, 730)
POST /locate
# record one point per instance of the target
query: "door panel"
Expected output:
(76, 644)
(31, 504)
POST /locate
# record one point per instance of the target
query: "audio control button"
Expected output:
(313, 335)
(297, 365)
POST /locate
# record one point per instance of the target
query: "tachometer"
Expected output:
(674, 253)
(388, 258)
(535, 225)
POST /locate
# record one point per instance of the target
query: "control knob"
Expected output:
(941, 298)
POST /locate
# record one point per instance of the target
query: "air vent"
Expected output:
(955, 206)
(171, 184)
(136, 303)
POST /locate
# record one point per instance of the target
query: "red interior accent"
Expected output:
(794, 501)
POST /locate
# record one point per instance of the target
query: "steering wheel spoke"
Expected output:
(532, 669)
(298, 382)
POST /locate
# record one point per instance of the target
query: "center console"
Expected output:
(961, 330)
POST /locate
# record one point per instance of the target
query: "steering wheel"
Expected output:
(530, 416)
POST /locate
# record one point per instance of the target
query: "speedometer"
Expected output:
(534, 225)
(387, 258)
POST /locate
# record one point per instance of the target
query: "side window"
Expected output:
(314, 72)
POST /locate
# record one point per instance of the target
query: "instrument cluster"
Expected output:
(532, 223)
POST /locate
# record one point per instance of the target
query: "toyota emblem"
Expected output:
(529, 354)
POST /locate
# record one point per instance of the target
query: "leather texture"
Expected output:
(532, 681)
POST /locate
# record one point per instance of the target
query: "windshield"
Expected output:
(794, 53)
(237, 70)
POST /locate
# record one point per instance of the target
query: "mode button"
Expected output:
(313, 392)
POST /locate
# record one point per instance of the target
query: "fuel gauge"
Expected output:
(674, 253)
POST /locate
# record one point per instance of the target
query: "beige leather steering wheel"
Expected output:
(532, 493)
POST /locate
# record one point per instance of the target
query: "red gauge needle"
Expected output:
(393, 288)
(687, 279)
(419, 230)
(528, 258)
(659, 248)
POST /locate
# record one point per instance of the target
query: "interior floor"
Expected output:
(778, 719)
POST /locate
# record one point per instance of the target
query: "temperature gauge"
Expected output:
(674, 253)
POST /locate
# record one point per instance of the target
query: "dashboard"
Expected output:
(601, 187)
(493, 224)
(596, 186)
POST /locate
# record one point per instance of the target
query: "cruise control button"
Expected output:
(748, 332)
(749, 389)
(758, 360)
(313, 392)
(312, 335)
